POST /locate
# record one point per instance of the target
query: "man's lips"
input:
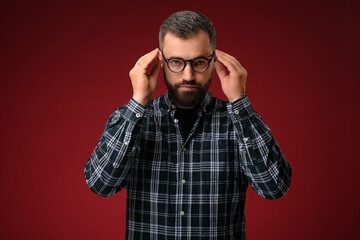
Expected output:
(188, 87)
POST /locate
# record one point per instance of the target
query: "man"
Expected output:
(186, 158)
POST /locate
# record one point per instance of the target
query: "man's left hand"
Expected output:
(232, 75)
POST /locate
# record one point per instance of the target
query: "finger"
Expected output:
(227, 56)
(144, 62)
(220, 70)
(155, 70)
(142, 58)
(228, 61)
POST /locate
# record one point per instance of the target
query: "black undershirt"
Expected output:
(187, 119)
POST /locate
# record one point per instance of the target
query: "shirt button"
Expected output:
(176, 121)
(182, 213)
(245, 139)
(173, 106)
(184, 149)
(138, 115)
(126, 143)
(183, 181)
(236, 112)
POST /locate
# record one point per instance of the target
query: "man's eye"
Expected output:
(176, 62)
(200, 63)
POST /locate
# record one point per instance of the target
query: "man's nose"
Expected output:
(188, 73)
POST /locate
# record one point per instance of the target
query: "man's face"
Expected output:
(188, 87)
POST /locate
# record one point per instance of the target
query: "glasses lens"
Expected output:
(176, 65)
(200, 65)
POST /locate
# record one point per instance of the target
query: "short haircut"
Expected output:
(185, 24)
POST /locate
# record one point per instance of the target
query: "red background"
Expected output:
(64, 68)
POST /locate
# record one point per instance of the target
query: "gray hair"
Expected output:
(185, 24)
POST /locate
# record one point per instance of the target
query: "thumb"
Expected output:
(220, 70)
(154, 72)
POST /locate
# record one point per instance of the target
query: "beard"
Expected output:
(187, 99)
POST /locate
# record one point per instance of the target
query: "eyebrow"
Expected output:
(202, 56)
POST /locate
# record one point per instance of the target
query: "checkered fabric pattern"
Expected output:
(192, 188)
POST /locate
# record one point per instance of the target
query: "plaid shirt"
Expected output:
(193, 188)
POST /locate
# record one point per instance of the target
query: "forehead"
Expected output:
(194, 46)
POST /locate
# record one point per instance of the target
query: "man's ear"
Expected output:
(160, 58)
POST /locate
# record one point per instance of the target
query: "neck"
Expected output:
(182, 107)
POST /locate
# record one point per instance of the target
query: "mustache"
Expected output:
(184, 82)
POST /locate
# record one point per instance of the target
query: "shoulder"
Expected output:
(218, 105)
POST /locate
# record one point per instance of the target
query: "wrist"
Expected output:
(235, 98)
(144, 101)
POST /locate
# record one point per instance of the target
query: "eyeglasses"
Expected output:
(200, 64)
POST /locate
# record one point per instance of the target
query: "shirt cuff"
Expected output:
(135, 111)
(241, 109)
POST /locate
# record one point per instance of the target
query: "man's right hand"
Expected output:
(144, 84)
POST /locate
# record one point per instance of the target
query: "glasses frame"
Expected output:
(167, 60)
